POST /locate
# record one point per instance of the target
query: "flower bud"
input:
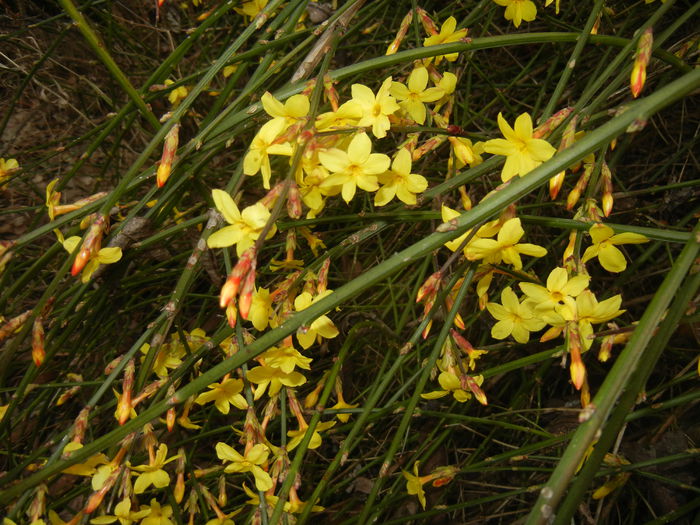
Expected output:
(38, 352)
(401, 34)
(641, 60)
(166, 160)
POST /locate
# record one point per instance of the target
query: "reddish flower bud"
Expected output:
(641, 60)
(166, 160)
(38, 352)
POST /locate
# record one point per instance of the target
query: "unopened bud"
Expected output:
(641, 61)
(231, 314)
(38, 352)
(401, 34)
(294, 202)
(124, 407)
(246, 297)
(166, 160)
(429, 287)
(427, 22)
(545, 129)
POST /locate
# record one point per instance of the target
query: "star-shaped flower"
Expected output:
(412, 98)
(505, 248)
(375, 109)
(514, 318)
(358, 167)
(604, 241)
(519, 10)
(254, 457)
(447, 34)
(523, 152)
(244, 227)
(400, 182)
(224, 394)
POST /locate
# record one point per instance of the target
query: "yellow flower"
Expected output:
(177, 95)
(245, 227)
(591, 312)
(158, 515)
(285, 358)
(251, 8)
(414, 483)
(559, 293)
(348, 114)
(519, 10)
(89, 467)
(263, 376)
(266, 143)
(451, 383)
(412, 98)
(168, 357)
(604, 241)
(316, 440)
(358, 167)
(260, 309)
(447, 35)
(466, 152)
(375, 110)
(514, 318)
(400, 182)
(523, 152)
(107, 255)
(153, 473)
(224, 394)
(256, 456)
(322, 326)
(123, 513)
(294, 109)
(505, 248)
(7, 167)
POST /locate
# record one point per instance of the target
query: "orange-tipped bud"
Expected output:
(179, 490)
(269, 199)
(476, 390)
(246, 297)
(91, 245)
(80, 261)
(545, 129)
(427, 22)
(124, 406)
(294, 202)
(228, 292)
(578, 372)
(429, 287)
(606, 348)
(555, 184)
(231, 314)
(222, 498)
(96, 498)
(464, 197)
(14, 324)
(607, 199)
(166, 160)
(461, 341)
(577, 368)
(552, 333)
(641, 61)
(443, 475)
(569, 250)
(38, 352)
(401, 34)
(426, 330)
(331, 93)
